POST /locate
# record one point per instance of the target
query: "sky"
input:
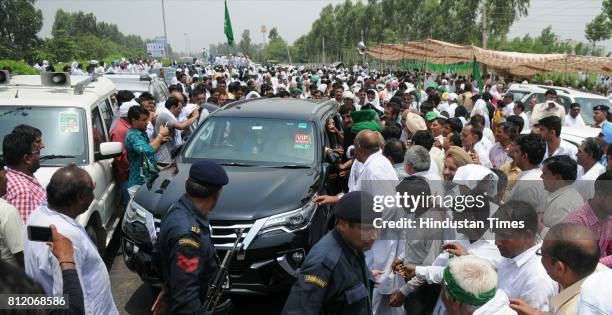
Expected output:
(195, 24)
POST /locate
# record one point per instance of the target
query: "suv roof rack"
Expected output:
(80, 87)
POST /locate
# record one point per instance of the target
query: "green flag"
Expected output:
(227, 28)
(476, 74)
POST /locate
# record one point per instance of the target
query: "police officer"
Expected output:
(334, 278)
(188, 258)
(600, 115)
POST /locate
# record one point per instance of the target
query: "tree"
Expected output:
(276, 50)
(61, 48)
(598, 30)
(93, 39)
(245, 43)
(395, 21)
(273, 34)
(20, 22)
(607, 9)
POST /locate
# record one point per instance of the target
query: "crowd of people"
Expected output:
(417, 132)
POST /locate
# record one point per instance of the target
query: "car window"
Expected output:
(518, 95)
(586, 107)
(64, 130)
(565, 101)
(107, 113)
(97, 130)
(527, 98)
(163, 91)
(254, 141)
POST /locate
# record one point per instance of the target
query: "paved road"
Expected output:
(134, 297)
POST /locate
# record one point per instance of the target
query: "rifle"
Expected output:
(215, 287)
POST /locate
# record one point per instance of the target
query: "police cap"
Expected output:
(208, 173)
(603, 108)
(356, 206)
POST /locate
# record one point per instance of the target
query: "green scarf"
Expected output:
(463, 296)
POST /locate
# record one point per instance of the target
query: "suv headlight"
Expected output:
(135, 213)
(290, 221)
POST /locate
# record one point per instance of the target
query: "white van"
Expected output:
(565, 97)
(74, 118)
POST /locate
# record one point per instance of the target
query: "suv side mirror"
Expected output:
(109, 150)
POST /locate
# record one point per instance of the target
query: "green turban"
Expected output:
(365, 120)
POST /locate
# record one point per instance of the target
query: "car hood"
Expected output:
(252, 192)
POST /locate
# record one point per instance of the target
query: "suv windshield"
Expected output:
(586, 107)
(63, 131)
(253, 141)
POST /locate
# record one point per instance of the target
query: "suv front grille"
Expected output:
(223, 232)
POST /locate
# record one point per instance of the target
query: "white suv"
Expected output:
(565, 97)
(139, 83)
(74, 120)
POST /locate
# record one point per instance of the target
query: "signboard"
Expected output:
(155, 49)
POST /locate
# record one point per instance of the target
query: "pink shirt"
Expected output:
(601, 229)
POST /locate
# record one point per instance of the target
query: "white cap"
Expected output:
(452, 96)
(471, 174)
(348, 94)
(125, 107)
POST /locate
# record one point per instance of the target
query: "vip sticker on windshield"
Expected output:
(301, 138)
(302, 125)
(68, 122)
(290, 124)
(257, 128)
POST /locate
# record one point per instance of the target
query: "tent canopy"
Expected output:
(440, 52)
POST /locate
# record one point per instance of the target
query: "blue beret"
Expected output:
(208, 172)
(356, 206)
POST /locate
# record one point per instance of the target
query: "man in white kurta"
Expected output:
(373, 173)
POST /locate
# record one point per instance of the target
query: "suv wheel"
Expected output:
(94, 235)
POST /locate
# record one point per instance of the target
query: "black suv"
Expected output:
(273, 151)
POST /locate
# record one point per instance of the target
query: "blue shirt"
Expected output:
(143, 163)
(44, 268)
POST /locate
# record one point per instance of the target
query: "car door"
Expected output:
(102, 172)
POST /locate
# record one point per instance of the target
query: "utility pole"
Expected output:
(186, 46)
(484, 33)
(263, 31)
(323, 50)
(289, 55)
(165, 33)
(364, 55)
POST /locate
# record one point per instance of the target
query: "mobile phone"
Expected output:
(551, 104)
(39, 233)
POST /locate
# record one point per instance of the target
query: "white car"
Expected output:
(576, 135)
(565, 97)
(139, 83)
(74, 119)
